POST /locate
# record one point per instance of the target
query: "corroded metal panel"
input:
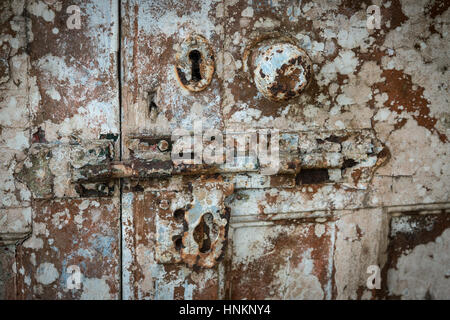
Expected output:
(418, 256)
(156, 100)
(151, 252)
(84, 233)
(153, 33)
(15, 198)
(286, 260)
(59, 96)
(362, 79)
(359, 104)
(73, 72)
(368, 132)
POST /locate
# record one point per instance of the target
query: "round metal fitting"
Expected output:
(280, 69)
(163, 146)
(195, 63)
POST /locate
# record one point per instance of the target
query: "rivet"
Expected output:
(163, 145)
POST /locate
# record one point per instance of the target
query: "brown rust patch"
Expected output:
(422, 230)
(312, 176)
(403, 96)
(394, 14)
(78, 50)
(257, 279)
(88, 239)
(356, 175)
(349, 7)
(436, 8)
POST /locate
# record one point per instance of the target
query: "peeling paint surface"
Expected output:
(282, 262)
(146, 242)
(57, 87)
(87, 179)
(82, 233)
(418, 244)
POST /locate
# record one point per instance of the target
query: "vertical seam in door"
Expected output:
(119, 76)
(224, 270)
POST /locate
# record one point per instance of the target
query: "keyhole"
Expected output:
(196, 57)
(152, 106)
(205, 233)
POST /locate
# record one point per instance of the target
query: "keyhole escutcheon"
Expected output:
(194, 63)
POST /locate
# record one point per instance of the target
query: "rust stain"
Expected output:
(286, 250)
(195, 63)
(436, 8)
(75, 238)
(403, 96)
(135, 51)
(417, 230)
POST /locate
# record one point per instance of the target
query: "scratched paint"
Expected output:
(90, 243)
(60, 89)
(364, 147)
(281, 71)
(349, 92)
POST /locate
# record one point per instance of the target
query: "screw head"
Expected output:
(164, 204)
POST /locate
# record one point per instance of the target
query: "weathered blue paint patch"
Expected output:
(103, 244)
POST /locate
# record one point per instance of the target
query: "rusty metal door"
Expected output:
(60, 112)
(231, 149)
(332, 84)
(279, 241)
(163, 91)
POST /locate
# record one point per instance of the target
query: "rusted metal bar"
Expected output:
(353, 154)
